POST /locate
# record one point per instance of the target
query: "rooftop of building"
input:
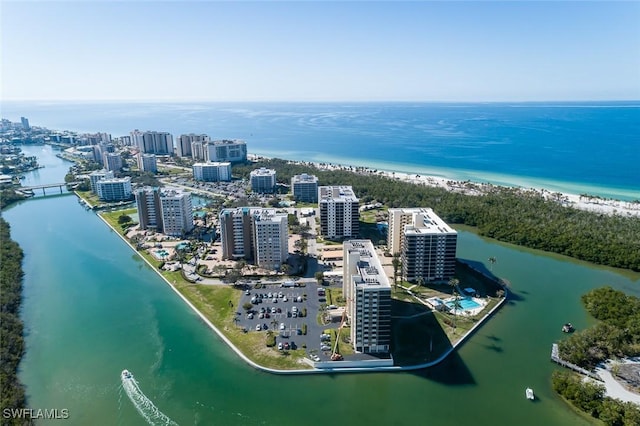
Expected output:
(336, 193)
(304, 178)
(263, 171)
(228, 142)
(424, 221)
(369, 266)
(213, 163)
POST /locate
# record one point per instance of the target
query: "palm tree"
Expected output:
(274, 323)
(492, 261)
(453, 282)
(396, 262)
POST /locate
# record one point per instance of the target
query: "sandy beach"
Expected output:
(581, 202)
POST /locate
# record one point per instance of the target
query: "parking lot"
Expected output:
(281, 310)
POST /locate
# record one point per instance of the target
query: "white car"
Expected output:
(280, 346)
(282, 326)
(258, 327)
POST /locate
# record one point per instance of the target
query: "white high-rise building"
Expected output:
(159, 143)
(198, 149)
(149, 209)
(177, 212)
(234, 151)
(116, 189)
(212, 172)
(367, 290)
(271, 234)
(147, 163)
(99, 175)
(166, 210)
(339, 211)
(304, 188)
(426, 244)
(184, 143)
(112, 161)
(263, 180)
(255, 234)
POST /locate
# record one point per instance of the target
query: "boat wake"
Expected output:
(143, 404)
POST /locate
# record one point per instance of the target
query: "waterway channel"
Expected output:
(92, 308)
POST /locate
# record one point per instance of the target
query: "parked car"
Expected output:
(258, 327)
(280, 346)
(325, 348)
(282, 326)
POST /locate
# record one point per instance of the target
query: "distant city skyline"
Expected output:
(223, 51)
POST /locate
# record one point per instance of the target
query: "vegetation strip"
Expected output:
(11, 327)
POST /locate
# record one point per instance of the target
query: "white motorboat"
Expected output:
(126, 375)
(529, 393)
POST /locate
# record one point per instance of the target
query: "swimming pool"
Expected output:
(465, 303)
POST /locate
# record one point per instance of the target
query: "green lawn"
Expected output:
(89, 197)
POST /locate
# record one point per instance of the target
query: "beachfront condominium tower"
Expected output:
(271, 234)
(149, 210)
(159, 143)
(236, 234)
(339, 211)
(112, 161)
(425, 243)
(232, 150)
(305, 188)
(367, 290)
(263, 180)
(254, 234)
(168, 211)
(98, 175)
(115, 189)
(177, 212)
(212, 172)
(184, 143)
(147, 163)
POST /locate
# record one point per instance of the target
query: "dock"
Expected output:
(555, 357)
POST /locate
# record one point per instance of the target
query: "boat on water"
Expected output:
(568, 328)
(126, 375)
(529, 393)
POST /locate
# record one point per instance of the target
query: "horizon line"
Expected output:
(169, 100)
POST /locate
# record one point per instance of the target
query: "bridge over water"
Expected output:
(31, 189)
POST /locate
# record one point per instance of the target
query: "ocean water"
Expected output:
(571, 147)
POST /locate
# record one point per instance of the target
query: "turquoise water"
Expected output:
(572, 147)
(464, 303)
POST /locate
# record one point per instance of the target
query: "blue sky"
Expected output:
(320, 51)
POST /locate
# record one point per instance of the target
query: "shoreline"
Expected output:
(229, 343)
(591, 203)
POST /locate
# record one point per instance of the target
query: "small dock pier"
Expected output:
(555, 357)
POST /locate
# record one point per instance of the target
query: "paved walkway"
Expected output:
(615, 389)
